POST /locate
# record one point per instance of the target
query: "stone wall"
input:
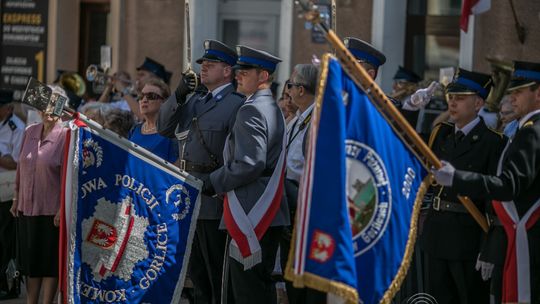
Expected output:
(496, 36)
(154, 29)
(353, 19)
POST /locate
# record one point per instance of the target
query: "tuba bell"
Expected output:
(501, 72)
(73, 82)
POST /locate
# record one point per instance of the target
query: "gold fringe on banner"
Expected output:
(409, 249)
(342, 290)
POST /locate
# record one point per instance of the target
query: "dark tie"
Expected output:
(208, 97)
(201, 105)
(459, 136)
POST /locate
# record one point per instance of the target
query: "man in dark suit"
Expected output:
(451, 238)
(252, 180)
(515, 189)
(201, 125)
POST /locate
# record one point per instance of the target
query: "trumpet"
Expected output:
(99, 77)
(95, 73)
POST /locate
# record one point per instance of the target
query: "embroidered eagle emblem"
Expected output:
(114, 240)
(92, 154)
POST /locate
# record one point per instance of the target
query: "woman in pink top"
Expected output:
(37, 203)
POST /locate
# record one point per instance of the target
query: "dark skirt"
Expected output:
(38, 246)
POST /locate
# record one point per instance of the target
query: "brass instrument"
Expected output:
(99, 78)
(405, 90)
(95, 73)
(73, 82)
(501, 72)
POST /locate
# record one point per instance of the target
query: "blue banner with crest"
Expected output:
(359, 200)
(131, 219)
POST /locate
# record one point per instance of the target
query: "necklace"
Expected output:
(147, 130)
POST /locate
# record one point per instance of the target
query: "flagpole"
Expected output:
(362, 78)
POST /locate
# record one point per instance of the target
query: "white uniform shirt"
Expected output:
(295, 138)
(11, 135)
(468, 127)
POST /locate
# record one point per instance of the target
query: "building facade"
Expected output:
(422, 35)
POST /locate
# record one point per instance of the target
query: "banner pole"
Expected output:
(359, 74)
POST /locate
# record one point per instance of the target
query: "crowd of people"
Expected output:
(233, 132)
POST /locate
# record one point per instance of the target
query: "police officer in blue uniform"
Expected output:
(371, 59)
(518, 180)
(451, 238)
(254, 147)
(11, 135)
(367, 55)
(201, 123)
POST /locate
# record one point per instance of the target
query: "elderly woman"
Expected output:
(36, 203)
(145, 134)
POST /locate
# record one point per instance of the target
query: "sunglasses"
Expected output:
(292, 84)
(150, 96)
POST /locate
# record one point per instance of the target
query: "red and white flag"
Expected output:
(472, 7)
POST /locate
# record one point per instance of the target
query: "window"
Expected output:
(432, 36)
(93, 32)
(253, 23)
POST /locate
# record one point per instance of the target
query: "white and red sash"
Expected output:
(516, 273)
(247, 229)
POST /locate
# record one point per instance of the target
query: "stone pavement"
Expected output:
(22, 298)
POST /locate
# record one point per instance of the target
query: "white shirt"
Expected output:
(295, 138)
(11, 135)
(216, 91)
(468, 127)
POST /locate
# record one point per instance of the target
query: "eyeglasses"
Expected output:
(150, 96)
(292, 84)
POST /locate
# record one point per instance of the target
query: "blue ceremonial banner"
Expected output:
(359, 198)
(130, 219)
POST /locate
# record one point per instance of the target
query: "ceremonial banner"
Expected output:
(359, 198)
(129, 222)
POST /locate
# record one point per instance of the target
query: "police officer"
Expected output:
(367, 55)
(149, 69)
(11, 134)
(451, 238)
(405, 84)
(254, 165)
(371, 59)
(517, 185)
(201, 124)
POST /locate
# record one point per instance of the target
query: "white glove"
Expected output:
(421, 97)
(485, 268)
(445, 175)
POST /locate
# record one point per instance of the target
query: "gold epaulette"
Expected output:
(435, 131)
(500, 134)
(528, 124)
